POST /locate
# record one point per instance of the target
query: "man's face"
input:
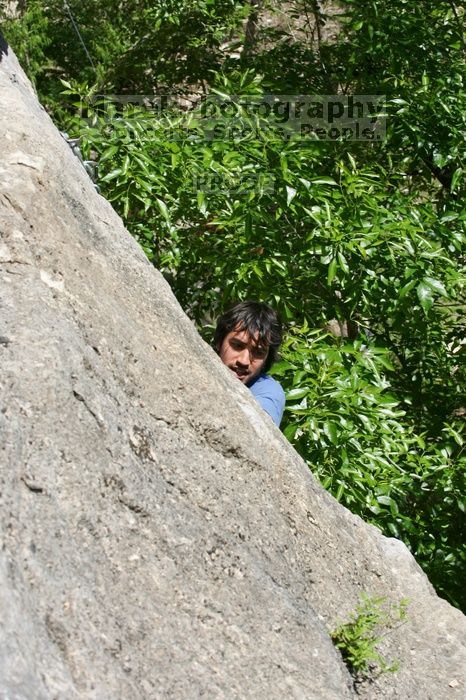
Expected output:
(243, 355)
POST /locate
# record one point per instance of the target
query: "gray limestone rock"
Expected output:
(159, 536)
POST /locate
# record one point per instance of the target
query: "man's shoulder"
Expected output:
(266, 383)
(269, 393)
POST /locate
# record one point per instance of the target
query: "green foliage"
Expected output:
(135, 48)
(30, 37)
(366, 237)
(358, 638)
(344, 417)
(414, 53)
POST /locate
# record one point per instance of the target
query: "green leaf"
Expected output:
(384, 500)
(343, 262)
(424, 293)
(108, 153)
(290, 194)
(297, 393)
(386, 362)
(163, 209)
(331, 272)
(201, 201)
(290, 431)
(407, 288)
(324, 181)
(436, 285)
(331, 431)
(455, 179)
(111, 175)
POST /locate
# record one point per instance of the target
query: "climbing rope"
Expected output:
(78, 33)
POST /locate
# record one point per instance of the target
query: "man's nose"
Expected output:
(244, 357)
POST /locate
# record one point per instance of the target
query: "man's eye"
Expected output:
(259, 353)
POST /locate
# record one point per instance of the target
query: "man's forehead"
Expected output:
(246, 336)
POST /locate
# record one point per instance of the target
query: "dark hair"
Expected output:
(255, 317)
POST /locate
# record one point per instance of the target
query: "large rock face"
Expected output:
(160, 538)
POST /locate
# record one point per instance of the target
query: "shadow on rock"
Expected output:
(3, 46)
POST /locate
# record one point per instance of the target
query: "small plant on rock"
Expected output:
(358, 638)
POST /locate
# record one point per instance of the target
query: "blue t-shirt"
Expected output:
(270, 395)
